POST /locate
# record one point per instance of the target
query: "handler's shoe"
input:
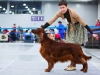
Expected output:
(70, 68)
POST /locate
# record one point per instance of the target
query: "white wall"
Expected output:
(88, 12)
(50, 8)
(20, 20)
(99, 9)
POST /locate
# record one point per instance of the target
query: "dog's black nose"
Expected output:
(32, 30)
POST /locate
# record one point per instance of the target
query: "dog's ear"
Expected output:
(41, 37)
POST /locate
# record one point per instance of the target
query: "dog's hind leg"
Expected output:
(80, 59)
(85, 65)
(50, 65)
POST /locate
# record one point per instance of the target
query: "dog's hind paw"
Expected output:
(47, 70)
(84, 70)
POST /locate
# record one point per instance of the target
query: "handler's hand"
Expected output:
(95, 36)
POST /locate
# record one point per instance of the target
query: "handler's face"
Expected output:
(63, 8)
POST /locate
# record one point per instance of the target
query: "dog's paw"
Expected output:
(47, 70)
(82, 70)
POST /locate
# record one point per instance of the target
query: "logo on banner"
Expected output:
(37, 18)
(3, 37)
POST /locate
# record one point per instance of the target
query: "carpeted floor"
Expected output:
(26, 60)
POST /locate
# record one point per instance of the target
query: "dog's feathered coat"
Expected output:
(54, 51)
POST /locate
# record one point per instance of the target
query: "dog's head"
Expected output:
(40, 32)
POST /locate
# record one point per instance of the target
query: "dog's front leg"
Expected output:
(50, 65)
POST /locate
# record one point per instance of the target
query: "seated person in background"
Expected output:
(97, 22)
(57, 37)
(50, 34)
(5, 31)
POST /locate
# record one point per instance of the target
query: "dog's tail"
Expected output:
(86, 57)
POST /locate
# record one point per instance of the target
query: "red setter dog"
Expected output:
(54, 51)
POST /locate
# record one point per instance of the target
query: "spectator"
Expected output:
(50, 34)
(97, 22)
(13, 35)
(14, 26)
(5, 31)
(61, 29)
(20, 30)
(57, 37)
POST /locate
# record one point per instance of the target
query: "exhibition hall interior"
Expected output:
(49, 37)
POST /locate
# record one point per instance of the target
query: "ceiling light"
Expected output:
(24, 4)
(33, 8)
(29, 11)
(0, 6)
(12, 6)
(26, 7)
(4, 9)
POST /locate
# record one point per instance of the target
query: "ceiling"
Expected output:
(33, 4)
(53, 0)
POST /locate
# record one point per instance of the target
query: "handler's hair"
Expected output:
(63, 2)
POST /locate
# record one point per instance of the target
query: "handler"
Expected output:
(77, 28)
